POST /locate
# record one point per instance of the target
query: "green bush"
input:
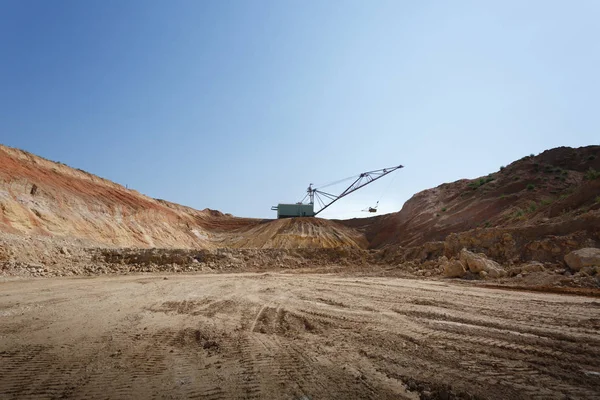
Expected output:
(532, 207)
(591, 174)
(444, 209)
(531, 186)
(546, 202)
(502, 168)
(518, 213)
(592, 157)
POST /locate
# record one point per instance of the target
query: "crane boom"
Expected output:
(301, 209)
(363, 180)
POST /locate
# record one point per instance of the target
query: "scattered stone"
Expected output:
(533, 266)
(477, 262)
(454, 269)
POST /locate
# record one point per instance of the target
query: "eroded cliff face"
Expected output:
(44, 198)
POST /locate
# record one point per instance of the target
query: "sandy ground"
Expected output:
(276, 336)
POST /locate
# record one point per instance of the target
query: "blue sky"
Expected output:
(238, 105)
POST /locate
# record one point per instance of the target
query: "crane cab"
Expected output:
(294, 210)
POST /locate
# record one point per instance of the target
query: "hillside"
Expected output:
(542, 194)
(43, 198)
(554, 187)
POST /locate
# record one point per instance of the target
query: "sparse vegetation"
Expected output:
(546, 202)
(591, 174)
(518, 214)
(516, 178)
(530, 187)
(532, 207)
(444, 209)
(502, 168)
(592, 157)
(597, 200)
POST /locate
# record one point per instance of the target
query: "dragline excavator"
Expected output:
(324, 199)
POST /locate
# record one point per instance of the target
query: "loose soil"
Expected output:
(292, 336)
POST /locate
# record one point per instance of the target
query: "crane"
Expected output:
(326, 199)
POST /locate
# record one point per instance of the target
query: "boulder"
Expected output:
(533, 266)
(587, 257)
(477, 262)
(454, 269)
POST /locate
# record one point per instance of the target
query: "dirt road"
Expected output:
(292, 337)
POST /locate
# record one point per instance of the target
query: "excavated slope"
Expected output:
(557, 185)
(42, 197)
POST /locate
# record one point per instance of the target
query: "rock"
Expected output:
(454, 269)
(533, 266)
(483, 274)
(583, 258)
(477, 262)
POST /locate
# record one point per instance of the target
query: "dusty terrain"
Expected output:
(287, 336)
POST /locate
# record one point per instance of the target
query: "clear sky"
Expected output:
(239, 105)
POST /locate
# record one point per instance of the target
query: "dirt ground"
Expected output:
(286, 336)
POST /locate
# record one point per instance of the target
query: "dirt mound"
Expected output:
(296, 232)
(557, 185)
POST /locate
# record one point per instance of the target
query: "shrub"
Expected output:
(444, 209)
(532, 207)
(531, 155)
(545, 202)
(518, 213)
(597, 199)
(591, 174)
(531, 186)
(592, 157)
(517, 178)
(502, 168)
